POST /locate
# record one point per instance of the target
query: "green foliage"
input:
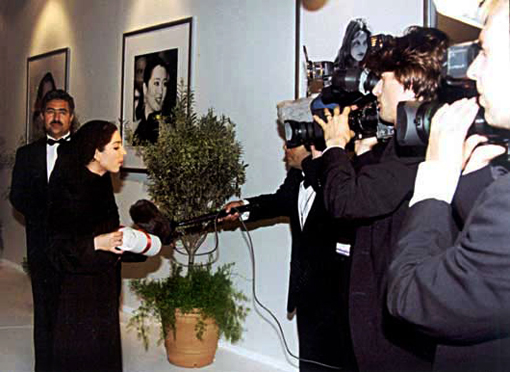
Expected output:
(212, 292)
(193, 169)
(195, 165)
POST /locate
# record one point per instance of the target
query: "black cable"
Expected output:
(244, 230)
(257, 301)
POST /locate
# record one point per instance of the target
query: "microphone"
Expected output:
(211, 216)
(149, 218)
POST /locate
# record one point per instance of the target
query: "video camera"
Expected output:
(414, 117)
(364, 122)
(345, 87)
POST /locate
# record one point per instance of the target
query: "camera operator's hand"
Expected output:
(109, 242)
(228, 207)
(336, 128)
(448, 133)
(315, 153)
(364, 145)
(477, 154)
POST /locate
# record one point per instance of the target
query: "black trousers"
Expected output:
(45, 290)
(323, 323)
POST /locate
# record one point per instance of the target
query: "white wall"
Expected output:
(243, 65)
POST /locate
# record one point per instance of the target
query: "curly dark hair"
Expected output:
(415, 58)
(93, 135)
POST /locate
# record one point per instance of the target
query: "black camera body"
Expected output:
(364, 122)
(414, 117)
(344, 87)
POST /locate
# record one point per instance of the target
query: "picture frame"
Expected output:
(429, 14)
(144, 94)
(45, 71)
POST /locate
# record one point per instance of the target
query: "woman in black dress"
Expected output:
(83, 236)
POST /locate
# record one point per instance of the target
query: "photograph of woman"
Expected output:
(83, 235)
(46, 84)
(158, 93)
(354, 45)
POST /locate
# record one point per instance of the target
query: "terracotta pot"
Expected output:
(186, 350)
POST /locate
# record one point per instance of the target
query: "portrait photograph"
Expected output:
(155, 61)
(45, 72)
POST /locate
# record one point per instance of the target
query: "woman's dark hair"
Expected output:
(38, 104)
(415, 59)
(152, 63)
(344, 58)
(93, 135)
(47, 78)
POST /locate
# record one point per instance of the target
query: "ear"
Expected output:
(409, 94)
(97, 155)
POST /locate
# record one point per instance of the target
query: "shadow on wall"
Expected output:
(13, 7)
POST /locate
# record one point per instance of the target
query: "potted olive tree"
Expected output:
(193, 168)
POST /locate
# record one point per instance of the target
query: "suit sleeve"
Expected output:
(455, 290)
(470, 187)
(20, 194)
(71, 246)
(375, 190)
(281, 203)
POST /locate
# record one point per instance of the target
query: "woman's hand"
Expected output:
(109, 242)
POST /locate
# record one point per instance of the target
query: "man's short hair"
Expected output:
(415, 59)
(58, 94)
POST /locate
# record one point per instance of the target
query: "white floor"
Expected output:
(16, 353)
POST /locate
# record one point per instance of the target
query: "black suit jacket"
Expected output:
(29, 194)
(374, 194)
(314, 260)
(456, 287)
(319, 276)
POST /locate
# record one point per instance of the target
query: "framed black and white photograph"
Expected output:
(155, 61)
(45, 72)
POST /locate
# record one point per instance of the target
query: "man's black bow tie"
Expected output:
(51, 142)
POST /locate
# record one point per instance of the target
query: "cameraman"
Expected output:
(375, 198)
(457, 287)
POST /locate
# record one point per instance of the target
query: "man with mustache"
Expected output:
(30, 176)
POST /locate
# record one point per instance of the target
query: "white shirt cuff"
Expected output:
(333, 147)
(435, 180)
(245, 215)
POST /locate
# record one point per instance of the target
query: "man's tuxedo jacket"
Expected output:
(456, 287)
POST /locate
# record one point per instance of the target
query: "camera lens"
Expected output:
(355, 80)
(304, 133)
(364, 122)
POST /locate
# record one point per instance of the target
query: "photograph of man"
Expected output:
(375, 198)
(32, 169)
(456, 286)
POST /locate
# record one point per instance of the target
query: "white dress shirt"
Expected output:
(51, 154)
